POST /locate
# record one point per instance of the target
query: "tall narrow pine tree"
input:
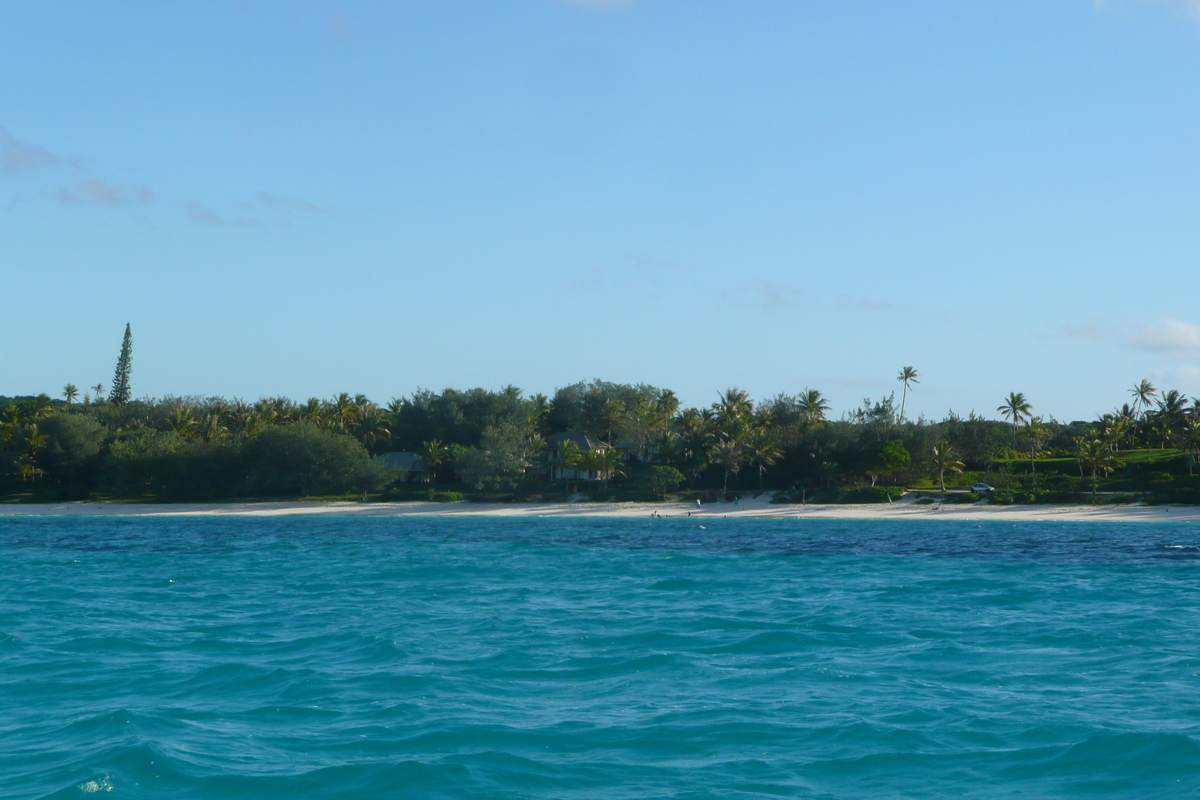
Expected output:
(120, 393)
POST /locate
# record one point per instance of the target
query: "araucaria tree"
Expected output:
(121, 393)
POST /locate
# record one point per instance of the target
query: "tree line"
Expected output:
(480, 440)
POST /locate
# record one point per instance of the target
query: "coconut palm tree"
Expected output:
(568, 455)
(1191, 442)
(733, 407)
(612, 415)
(667, 447)
(71, 393)
(1015, 408)
(372, 426)
(907, 376)
(313, 411)
(344, 412)
(762, 451)
(611, 464)
(945, 460)
(1093, 455)
(1143, 393)
(1037, 432)
(212, 428)
(813, 407)
(667, 405)
(434, 453)
(592, 462)
(99, 390)
(183, 421)
(729, 454)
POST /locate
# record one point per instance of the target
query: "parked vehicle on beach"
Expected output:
(981, 487)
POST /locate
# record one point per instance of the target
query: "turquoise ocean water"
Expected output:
(380, 658)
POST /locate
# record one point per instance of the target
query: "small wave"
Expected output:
(768, 643)
(96, 785)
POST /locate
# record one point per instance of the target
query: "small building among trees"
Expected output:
(412, 467)
(575, 456)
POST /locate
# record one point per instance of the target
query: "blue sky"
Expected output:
(303, 198)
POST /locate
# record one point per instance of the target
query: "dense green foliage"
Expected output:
(494, 442)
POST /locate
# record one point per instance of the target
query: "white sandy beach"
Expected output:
(748, 508)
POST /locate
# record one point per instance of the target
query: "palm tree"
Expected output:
(1143, 393)
(945, 460)
(212, 429)
(728, 453)
(1015, 408)
(434, 453)
(183, 421)
(344, 411)
(372, 426)
(1191, 442)
(667, 447)
(1092, 454)
(612, 415)
(568, 455)
(592, 462)
(1037, 433)
(313, 411)
(611, 463)
(1164, 429)
(813, 407)
(907, 376)
(762, 452)
(70, 392)
(99, 390)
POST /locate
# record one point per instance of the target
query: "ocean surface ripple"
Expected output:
(636, 658)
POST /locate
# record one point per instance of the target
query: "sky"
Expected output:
(305, 198)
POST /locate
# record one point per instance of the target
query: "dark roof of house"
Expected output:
(409, 462)
(581, 440)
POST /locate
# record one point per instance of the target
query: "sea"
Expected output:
(350, 657)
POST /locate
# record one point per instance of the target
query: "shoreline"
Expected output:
(749, 509)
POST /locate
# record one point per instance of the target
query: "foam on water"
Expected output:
(362, 658)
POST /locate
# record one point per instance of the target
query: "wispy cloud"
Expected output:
(774, 296)
(74, 182)
(288, 205)
(1171, 337)
(99, 193)
(17, 158)
(850, 301)
(199, 215)
(1189, 7)
(264, 210)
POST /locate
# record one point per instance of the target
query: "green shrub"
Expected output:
(447, 497)
(965, 498)
(924, 501)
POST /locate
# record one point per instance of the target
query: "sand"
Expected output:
(758, 508)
